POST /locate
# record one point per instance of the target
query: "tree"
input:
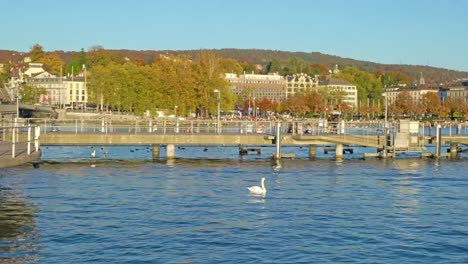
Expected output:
(367, 85)
(404, 105)
(431, 104)
(208, 76)
(315, 102)
(455, 105)
(318, 69)
(31, 94)
(53, 63)
(394, 78)
(296, 105)
(275, 66)
(76, 64)
(36, 53)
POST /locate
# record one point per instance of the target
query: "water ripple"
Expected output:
(201, 212)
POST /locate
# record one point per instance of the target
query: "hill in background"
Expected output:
(432, 75)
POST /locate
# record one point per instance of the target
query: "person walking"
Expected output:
(54, 116)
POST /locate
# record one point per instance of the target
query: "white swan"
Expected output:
(93, 154)
(257, 189)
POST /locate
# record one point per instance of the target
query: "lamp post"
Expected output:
(385, 124)
(16, 85)
(85, 88)
(219, 109)
(256, 121)
(176, 119)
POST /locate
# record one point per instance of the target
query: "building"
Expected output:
(36, 76)
(416, 93)
(257, 86)
(76, 94)
(456, 90)
(349, 89)
(61, 91)
(300, 83)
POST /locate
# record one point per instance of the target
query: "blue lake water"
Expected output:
(122, 207)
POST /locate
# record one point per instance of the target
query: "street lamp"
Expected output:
(85, 88)
(16, 86)
(385, 124)
(176, 129)
(219, 109)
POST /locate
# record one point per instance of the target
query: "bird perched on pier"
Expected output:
(257, 189)
(93, 154)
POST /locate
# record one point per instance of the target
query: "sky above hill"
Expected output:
(416, 32)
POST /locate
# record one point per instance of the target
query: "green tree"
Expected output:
(208, 76)
(368, 85)
(31, 94)
(75, 66)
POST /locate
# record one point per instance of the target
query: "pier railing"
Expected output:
(18, 137)
(198, 126)
(304, 127)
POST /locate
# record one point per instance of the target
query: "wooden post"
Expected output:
(438, 140)
(156, 149)
(278, 140)
(312, 151)
(453, 150)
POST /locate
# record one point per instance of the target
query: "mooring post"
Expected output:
(453, 150)
(156, 149)
(278, 140)
(339, 151)
(312, 151)
(170, 151)
(438, 140)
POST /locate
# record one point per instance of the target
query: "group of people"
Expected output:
(308, 129)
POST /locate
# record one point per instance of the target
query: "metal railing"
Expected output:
(209, 126)
(18, 137)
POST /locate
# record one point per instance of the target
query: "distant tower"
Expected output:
(336, 70)
(421, 80)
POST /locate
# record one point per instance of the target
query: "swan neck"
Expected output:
(263, 183)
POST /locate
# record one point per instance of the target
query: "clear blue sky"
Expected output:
(418, 32)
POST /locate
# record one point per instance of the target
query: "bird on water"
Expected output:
(258, 189)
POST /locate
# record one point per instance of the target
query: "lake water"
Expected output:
(122, 207)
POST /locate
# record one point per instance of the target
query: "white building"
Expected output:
(61, 91)
(76, 92)
(300, 83)
(350, 90)
(257, 86)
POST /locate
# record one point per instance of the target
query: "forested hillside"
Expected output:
(289, 62)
